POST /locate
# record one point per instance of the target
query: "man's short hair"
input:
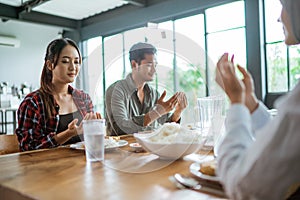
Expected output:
(137, 51)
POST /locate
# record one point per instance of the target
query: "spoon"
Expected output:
(192, 183)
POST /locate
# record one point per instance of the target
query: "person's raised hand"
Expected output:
(251, 99)
(163, 107)
(227, 79)
(182, 102)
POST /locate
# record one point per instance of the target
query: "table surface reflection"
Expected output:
(63, 173)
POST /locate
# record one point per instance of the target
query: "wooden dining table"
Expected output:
(63, 173)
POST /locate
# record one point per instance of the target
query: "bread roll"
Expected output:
(208, 168)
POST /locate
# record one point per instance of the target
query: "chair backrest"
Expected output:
(9, 144)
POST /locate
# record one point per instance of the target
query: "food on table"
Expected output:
(173, 132)
(208, 168)
(116, 138)
(108, 143)
(135, 144)
(136, 147)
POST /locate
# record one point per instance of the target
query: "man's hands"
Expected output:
(163, 107)
(182, 102)
(177, 101)
(181, 105)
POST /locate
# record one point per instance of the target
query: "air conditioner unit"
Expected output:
(9, 41)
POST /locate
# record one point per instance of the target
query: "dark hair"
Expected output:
(52, 54)
(137, 51)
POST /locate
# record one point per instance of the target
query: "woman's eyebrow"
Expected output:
(69, 57)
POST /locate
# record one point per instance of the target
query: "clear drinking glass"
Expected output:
(209, 116)
(94, 132)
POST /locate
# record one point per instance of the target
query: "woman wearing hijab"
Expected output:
(259, 157)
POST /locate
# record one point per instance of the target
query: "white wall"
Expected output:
(24, 64)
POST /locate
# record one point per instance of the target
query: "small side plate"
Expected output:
(80, 145)
(195, 170)
(136, 147)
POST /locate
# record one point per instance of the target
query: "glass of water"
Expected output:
(94, 136)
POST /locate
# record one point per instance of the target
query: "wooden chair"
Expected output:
(9, 144)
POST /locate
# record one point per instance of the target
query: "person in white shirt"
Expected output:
(259, 157)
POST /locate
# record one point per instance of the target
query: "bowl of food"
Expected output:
(170, 141)
(136, 147)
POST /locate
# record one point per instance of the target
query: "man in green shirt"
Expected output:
(132, 105)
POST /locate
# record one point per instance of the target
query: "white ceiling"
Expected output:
(73, 9)
(13, 2)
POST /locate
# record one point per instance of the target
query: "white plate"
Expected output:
(195, 170)
(80, 145)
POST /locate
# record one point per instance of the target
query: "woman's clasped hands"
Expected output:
(78, 129)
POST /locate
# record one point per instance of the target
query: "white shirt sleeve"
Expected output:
(261, 168)
(260, 117)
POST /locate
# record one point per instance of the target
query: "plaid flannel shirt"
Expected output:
(33, 131)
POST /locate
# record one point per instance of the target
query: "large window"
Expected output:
(115, 67)
(225, 33)
(188, 49)
(283, 63)
(93, 71)
(190, 59)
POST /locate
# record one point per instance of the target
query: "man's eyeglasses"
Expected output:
(149, 65)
